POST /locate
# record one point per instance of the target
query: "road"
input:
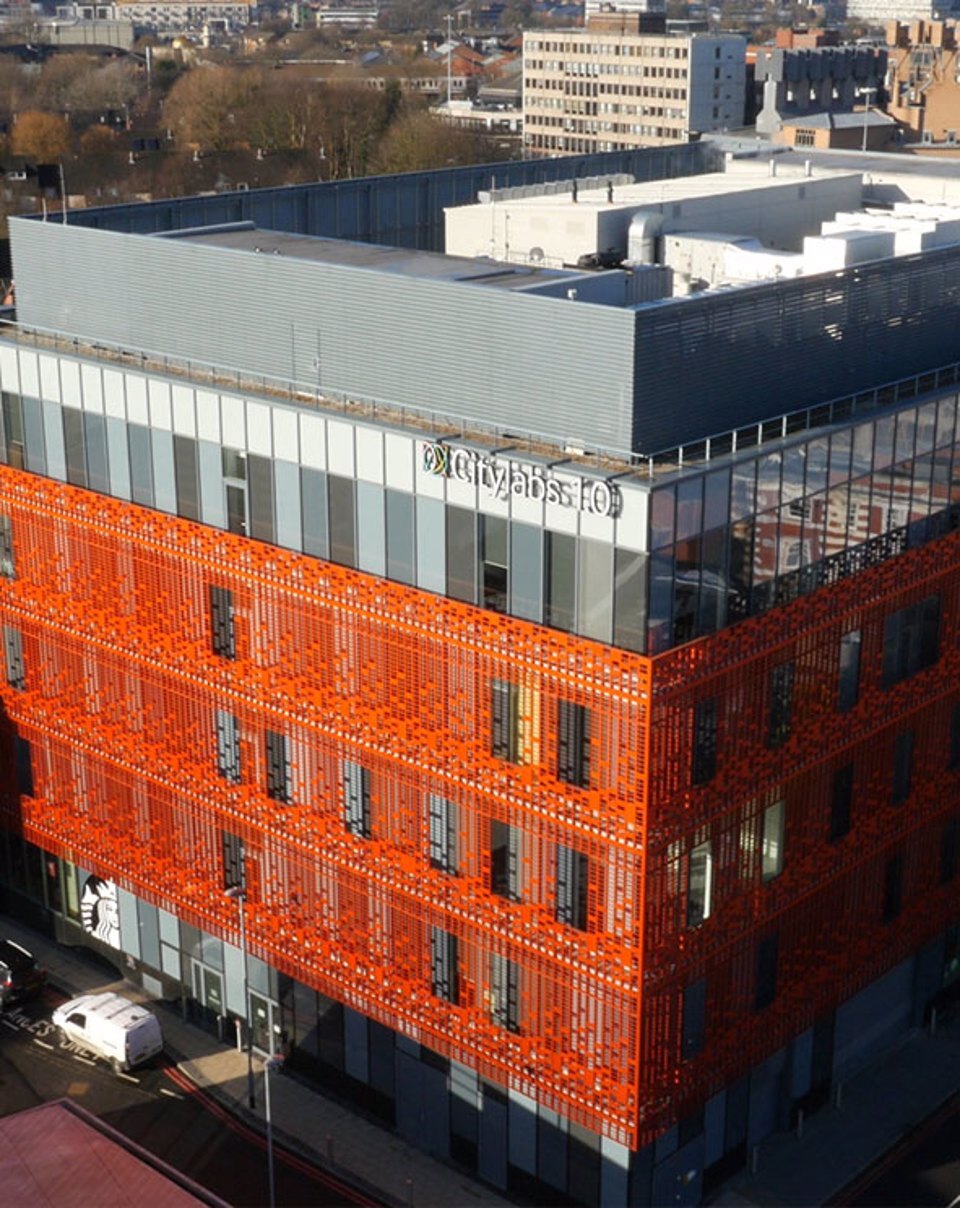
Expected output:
(159, 1109)
(923, 1170)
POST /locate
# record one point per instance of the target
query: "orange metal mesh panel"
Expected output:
(122, 689)
(827, 900)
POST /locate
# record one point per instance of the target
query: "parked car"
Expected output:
(20, 975)
(110, 1026)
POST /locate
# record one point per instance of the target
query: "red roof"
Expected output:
(60, 1154)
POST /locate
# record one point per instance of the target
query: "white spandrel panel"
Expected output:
(632, 520)
(597, 513)
(114, 394)
(208, 416)
(91, 387)
(137, 411)
(526, 509)
(161, 414)
(426, 482)
(184, 410)
(564, 517)
(233, 418)
(286, 446)
(49, 378)
(340, 459)
(399, 453)
(29, 373)
(9, 369)
(313, 442)
(461, 492)
(259, 439)
(369, 454)
(70, 392)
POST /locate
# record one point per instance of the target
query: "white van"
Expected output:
(110, 1026)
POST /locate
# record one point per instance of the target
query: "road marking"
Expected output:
(85, 1060)
(172, 1094)
(954, 1202)
(7, 1024)
(128, 1078)
(43, 1044)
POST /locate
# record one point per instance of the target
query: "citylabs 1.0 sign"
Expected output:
(505, 478)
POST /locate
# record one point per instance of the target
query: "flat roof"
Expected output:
(740, 176)
(405, 262)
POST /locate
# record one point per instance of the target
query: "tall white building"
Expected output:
(613, 86)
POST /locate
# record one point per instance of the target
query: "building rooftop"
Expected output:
(405, 262)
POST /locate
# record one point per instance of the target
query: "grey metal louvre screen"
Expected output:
(228, 746)
(13, 651)
(444, 962)
(443, 832)
(222, 622)
(356, 799)
(504, 720)
(573, 743)
(278, 767)
(504, 993)
(572, 882)
(234, 865)
(7, 564)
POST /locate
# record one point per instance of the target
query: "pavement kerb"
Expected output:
(250, 1119)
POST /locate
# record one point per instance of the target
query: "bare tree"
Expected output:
(206, 107)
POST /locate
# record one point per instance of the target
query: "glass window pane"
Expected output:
(461, 554)
(342, 537)
(561, 580)
(400, 536)
(595, 605)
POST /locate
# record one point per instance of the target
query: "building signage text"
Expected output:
(506, 478)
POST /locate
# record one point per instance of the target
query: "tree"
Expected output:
(44, 137)
(418, 140)
(206, 108)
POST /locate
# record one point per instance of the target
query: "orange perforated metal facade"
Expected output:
(119, 700)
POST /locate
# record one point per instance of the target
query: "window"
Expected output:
(24, 754)
(222, 622)
(13, 652)
(771, 845)
(573, 877)
(573, 743)
(849, 686)
(340, 518)
(505, 699)
(234, 862)
(704, 741)
(840, 802)
(949, 850)
(902, 767)
(767, 960)
(700, 884)
(911, 640)
(893, 887)
(228, 746)
(7, 567)
(693, 1028)
(444, 965)
(278, 767)
(443, 833)
(356, 799)
(781, 703)
(493, 566)
(13, 429)
(504, 993)
(505, 844)
(234, 464)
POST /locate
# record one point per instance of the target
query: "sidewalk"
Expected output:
(879, 1106)
(323, 1132)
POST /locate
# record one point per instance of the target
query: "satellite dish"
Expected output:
(536, 255)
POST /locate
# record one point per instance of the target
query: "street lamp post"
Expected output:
(271, 1064)
(239, 895)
